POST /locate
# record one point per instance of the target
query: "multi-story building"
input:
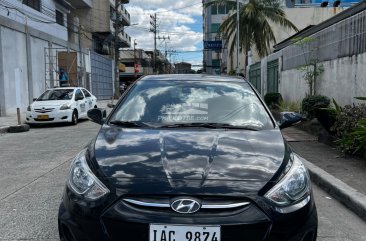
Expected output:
(32, 32)
(93, 26)
(136, 63)
(47, 16)
(97, 23)
(183, 68)
(214, 61)
(301, 12)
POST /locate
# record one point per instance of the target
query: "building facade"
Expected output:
(94, 27)
(136, 62)
(183, 68)
(44, 37)
(214, 60)
(32, 33)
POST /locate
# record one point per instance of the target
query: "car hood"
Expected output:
(49, 103)
(188, 159)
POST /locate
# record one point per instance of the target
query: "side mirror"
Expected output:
(97, 115)
(288, 119)
(34, 99)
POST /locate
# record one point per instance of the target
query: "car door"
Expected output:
(81, 103)
(89, 99)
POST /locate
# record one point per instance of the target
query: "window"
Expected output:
(214, 10)
(215, 27)
(86, 93)
(79, 95)
(169, 101)
(215, 63)
(60, 18)
(222, 9)
(35, 4)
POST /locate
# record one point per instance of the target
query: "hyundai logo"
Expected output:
(185, 205)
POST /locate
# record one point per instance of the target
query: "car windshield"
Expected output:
(168, 103)
(60, 94)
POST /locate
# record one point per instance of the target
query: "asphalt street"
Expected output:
(33, 167)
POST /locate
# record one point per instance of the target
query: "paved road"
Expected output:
(33, 166)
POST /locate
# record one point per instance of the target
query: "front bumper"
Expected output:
(58, 116)
(124, 222)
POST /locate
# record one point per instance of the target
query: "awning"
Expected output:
(122, 67)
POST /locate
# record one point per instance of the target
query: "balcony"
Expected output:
(125, 39)
(81, 3)
(125, 16)
(112, 2)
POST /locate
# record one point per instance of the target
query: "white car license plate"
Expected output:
(42, 117)
(161, 232)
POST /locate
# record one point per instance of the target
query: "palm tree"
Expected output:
(255, 17)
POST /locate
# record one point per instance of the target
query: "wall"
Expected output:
(301, 18)
(13, 47)
(49, 15)
(23, 48)
(342, 80)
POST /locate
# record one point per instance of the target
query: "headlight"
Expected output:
(83, 182)
(292, 192)
(65, 106)
(29, 108)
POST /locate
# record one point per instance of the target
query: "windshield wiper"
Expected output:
(128, 123)
(211, 125)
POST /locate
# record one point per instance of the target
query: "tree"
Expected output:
(255, 17)
(311, 69)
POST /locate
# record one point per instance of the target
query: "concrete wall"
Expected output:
(23, 48)
(38, 65)
(301, 18)
(13, 47)
(30, 15)
(342, 80)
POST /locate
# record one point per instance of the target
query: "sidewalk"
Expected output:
(11, 120)
(344, 178)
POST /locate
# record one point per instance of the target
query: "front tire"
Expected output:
(74, 118)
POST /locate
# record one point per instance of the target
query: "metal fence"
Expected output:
(345, 38)
(101, 76)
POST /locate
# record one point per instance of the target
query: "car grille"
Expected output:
(206, 204)
(44, 110)
(49, 119)
(239, 219)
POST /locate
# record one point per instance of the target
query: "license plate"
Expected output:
(161, 232)
(42, 117)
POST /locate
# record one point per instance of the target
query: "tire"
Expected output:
(74, 119)
(18, 128)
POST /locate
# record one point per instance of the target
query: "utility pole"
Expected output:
(153, 29)
(116, 49)
(170, 52)
(135, 60)
(237, 37)
(166, 53)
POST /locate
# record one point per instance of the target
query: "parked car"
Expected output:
(188, 158)
(61, 105)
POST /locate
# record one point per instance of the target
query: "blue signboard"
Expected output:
(215, 45)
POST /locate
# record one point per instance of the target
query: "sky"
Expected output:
(180, 20)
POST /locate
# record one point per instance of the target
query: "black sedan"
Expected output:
(188, 158)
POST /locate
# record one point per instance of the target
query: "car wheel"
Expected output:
(74, 119)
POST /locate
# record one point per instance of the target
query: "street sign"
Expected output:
(215, 45)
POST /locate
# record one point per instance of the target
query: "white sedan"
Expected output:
(61, 105)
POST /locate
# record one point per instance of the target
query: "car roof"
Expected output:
(193, 77)
(65, 88)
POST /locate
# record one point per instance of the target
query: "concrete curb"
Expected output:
(348, 196)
